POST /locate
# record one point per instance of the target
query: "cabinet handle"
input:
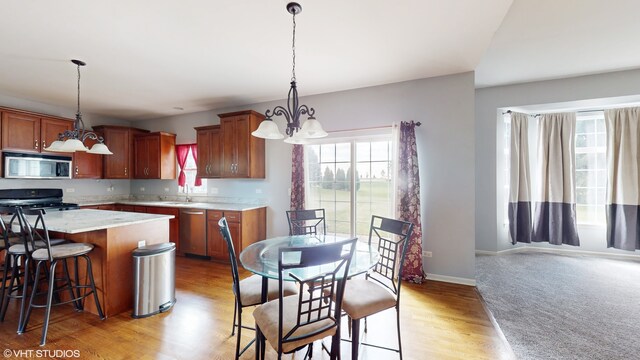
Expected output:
(125, 171)
(77, 171)
(35, 146)
(44, 144)
(208, 168)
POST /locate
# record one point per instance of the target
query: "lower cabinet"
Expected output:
(246, 227)
(174, 224)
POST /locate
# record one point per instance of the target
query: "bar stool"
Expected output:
(52, 255)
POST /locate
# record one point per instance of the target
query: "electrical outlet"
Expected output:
(426, 253)
(213, 190)
(110, 189)
(142, 189)
(258, 191)
(166, 189)
(71, 190)
(142, 243)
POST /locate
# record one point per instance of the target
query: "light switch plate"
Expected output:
(142, 243)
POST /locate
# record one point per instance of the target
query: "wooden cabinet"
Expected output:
(155, 156)
(87, 166)
(174, 224)
(119, 139)
(121, 207)
(31, 132)
(209, 151)
(110, 207)
(246, 227)
(229, 150)
(242, 153)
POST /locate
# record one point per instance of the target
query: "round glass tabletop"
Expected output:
(262, 257)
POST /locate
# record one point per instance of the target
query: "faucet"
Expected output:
(186, 191)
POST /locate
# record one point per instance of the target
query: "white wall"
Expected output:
(81, 187)
(593, 90)
(444, 105)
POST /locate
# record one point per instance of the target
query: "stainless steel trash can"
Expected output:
(154, 281)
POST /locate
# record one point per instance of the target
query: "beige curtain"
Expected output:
(623, 186)
(554, 220)
(519, 180)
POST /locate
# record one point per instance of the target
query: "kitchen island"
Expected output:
(115, 235)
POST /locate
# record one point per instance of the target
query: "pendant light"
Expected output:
(73, 140)
(298, 133)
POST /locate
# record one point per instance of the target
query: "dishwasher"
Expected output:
(193, 231)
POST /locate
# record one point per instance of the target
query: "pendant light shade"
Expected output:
(268, 130)
(99, 149)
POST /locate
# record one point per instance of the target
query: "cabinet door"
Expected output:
(241, 142)
(87, 166)
(202, 139)
(153, 157)
(20, 132)
(116, 166)
(141, 158)
(50, 129)
(216, 247)
(215, 154)
(174, 224)
(228, 146)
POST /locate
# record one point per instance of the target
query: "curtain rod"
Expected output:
(369, 128)
(579, 111)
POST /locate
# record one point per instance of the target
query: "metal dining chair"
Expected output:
(380, 289)
(49, 255)
(291, 323)
(303, 222)
(247, 292)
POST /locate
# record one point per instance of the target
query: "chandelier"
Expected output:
(73, 140)
(298, 133)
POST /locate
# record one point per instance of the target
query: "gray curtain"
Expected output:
(623, 186)
(554, 220)
(519, 180)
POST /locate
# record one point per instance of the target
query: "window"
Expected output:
(190, 170)
(331, 182)
(591, 168)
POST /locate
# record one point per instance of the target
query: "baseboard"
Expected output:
(451, 279)
(559, 251)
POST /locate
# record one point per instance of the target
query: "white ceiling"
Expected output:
(146, 57)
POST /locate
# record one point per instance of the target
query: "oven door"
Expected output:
(31, 166)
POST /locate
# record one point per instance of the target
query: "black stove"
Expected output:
(48, 199)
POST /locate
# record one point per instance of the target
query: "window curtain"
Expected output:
(623, 185)
(297, 177)
(554, 220)
(182, 151)
(520, 182)
(194, 153)
(408, 200)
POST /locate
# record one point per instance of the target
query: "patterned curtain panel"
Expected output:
(297, 177)
(554, 220)
(408, 200)
(623, 168)
(520, 182)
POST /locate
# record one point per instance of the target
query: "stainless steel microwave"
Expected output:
(36, 166)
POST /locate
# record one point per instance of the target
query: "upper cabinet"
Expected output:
(87, 166)
(242, 153)
(155, 156)
(209, 151)
(25, 131)
(119, 139)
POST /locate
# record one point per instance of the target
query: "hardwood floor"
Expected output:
(439, 321)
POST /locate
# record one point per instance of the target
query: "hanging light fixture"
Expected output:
(298, 133)
(73, 140)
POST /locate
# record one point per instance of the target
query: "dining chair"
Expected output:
(303, 222)
(380, 288)
(247, 292)
(6, 237)
(291, 323)
(50, 255)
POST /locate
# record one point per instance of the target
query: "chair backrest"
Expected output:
(35, 239)
(328, 265)
(6, 229)
(392, 237)
(303, 222)
(226, 235)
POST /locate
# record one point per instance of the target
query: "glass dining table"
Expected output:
(261, 258)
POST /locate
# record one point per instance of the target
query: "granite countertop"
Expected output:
(84, 220)
(179, 204)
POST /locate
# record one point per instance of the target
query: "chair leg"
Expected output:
(239, 332)
(3, 285)
(47, 311)
(399, 340)
(76, 277)
(25, 292)
(235, 312)
(93, 287)
(355, 338)
(258, 333)
(14, 274)
(33, 296)
(72, 293)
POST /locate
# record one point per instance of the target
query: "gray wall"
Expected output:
(81, 188)
(444, 105)
(579, 92)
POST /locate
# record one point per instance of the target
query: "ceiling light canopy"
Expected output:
(298, 133)
(73, 140)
